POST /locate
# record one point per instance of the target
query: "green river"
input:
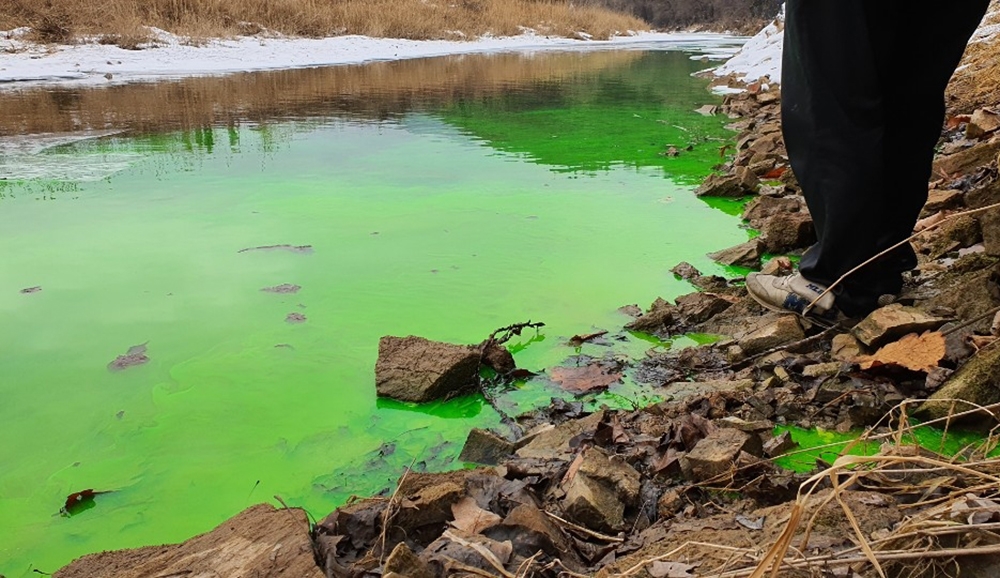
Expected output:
(443, 198)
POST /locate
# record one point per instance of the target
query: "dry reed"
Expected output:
(123, 21)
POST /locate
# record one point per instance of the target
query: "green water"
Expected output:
(446, 219)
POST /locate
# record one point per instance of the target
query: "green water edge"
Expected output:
(446, 221)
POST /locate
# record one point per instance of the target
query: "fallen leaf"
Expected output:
(662, 569)
(470, 518)
(581, 339)
(75, 500)
(913, 352)
(749, 523)
(584, 379)
(980, 341)
(774, 173)
(956, 120)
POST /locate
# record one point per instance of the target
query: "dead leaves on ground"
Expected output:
(586, 378)
(913, 352)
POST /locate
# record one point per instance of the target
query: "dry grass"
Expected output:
(373, 91)
(61, 20)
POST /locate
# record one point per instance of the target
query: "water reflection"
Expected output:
(573, 111)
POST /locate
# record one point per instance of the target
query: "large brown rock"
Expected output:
(977, 382)
(786, 231)
(723, 185)
(660, 316)
(260, 541)
(892, 322)
(681, 390)
(593, 504)
(969, 159)
(699, 307)
(612, 471)
(485, 447)
(778, 330)
(743, 255)
(715, 454)
(417, 369)
(761, 208)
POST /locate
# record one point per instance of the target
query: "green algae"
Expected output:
(430, 223)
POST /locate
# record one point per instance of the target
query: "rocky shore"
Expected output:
(689, 486)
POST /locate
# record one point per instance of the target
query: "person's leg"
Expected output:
(861, 108)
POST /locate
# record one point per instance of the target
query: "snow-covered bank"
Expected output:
(23, 64)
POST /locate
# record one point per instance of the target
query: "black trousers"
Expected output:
(862, 88)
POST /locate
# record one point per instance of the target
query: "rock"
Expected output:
(761, 208)
(669, 502)
(427, 503)
(779, 444)
(497, 357)
(485, 447)
(822, 369)
(982, 123)
(768, 97)
(417, 369)
(660, 316)
(681, 390)
(938, 200)
(978, 382)
(757, 426)
(632, 310)
(845, 347)
(685, 271)
(722, 185)
(707, 110)
(766, 144)
(781, 330)
(989, 223)
(554, 443)
(593, 504)
(748, 180)
(777, 266)
(404, 562)
(742, 255)
(260, 541)
(786, 231)
(715, 454)
(612, 471)
(892, 322)
(530, 530)
(700, 307)
(969, 159)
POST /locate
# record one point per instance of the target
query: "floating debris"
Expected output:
(295, 318)
(305, 249)
(79, 501)
(30, 290)
(136, 355)
(284, 288)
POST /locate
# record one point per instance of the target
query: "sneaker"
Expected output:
(793, 293)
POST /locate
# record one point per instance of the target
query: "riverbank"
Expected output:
(652, 491)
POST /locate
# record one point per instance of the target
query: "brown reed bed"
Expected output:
(123, 21)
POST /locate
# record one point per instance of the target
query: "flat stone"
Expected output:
(782, 330)
(260, 541)
(978, 382)
(768, 97)
(743, 255)
(485, 447)
(777, 266)
(680, 390)
(554, 443)
(669, 503)
(938, 199)
(715, 454)
(969, 159)
(822, 369)
(593, 504)
(756, 426)
(982, 123)
(722, 185)
(417, 369)
(700, 306)
(989, 223)
(779, 444)
(530, 530)
(845, 347)
(748, 179)
(892, 322)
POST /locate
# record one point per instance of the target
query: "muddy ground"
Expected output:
(688, 487)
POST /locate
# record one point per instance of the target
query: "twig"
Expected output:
(390, 511)
(585, 531)
(896, 246)
(794, 345)
(965, 324)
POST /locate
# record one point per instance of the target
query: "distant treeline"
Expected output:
(741, 15)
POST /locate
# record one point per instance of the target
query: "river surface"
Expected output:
(442, 197)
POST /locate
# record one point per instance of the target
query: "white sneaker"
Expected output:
(793, 293)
